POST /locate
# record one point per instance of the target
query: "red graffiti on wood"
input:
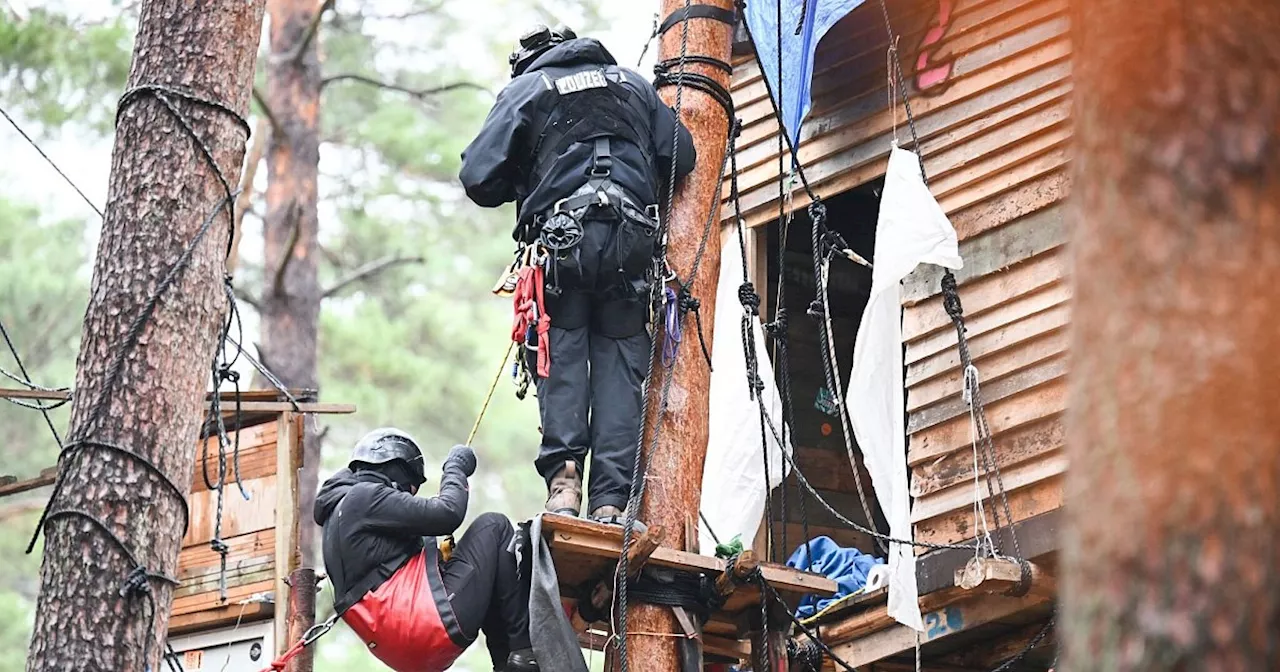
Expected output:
(933, 66)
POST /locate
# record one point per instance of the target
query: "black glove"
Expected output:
(462, 457)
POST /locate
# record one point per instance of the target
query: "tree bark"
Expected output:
(674, 466)
(161, 191)
(291, 293)
(1173, 520)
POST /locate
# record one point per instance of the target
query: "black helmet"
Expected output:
(534, 43)
(388, 444)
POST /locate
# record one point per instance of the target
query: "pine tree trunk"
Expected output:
(675, 464)
(161, 191)
(1173, 525)
(292, 295)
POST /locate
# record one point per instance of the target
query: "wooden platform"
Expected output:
(584, 551)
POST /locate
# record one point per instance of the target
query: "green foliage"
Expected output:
(60, 69)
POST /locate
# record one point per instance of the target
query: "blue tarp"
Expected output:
(848, 567)
(797, 50)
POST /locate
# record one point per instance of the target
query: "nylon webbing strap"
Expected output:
(601, 158)
(725, 16)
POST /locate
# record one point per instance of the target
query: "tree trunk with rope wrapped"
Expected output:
(290, 303)
(673, 492)
(1174, 501)
(142, 374)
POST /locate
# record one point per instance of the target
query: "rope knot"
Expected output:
(136, 583)
(737, 127)
(818, 211)
(219, 546)
(225, 372)
(778, 327)
(815, 310)
(688, 302)
(951, 298)
(748, 297)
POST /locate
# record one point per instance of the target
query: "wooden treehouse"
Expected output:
(244, 628)
(989, 84)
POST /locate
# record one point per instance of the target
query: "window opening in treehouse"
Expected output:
(816, 432)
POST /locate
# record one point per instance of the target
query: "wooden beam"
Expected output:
(1003, 576)
(939, 623)
(250, 406)
(222, 616)
(1037, 537)
(642, 549)
(286, 527)
(993, 653)
(579, 536)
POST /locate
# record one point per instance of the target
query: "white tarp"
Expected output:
(733, 479)
(912, 230)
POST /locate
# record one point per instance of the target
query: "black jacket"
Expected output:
(371, 528)
(495, 163)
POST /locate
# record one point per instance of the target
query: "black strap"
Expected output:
(601, 158)
(725, 16)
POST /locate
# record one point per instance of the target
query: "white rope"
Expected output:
(979, 511)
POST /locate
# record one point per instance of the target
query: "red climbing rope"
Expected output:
(530, 310)
(309, 637)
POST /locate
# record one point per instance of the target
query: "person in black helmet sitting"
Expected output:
(585, 149)
(415, 611)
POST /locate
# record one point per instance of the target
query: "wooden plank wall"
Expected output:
(248, 528)
(991, 101)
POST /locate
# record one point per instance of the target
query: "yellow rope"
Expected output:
(489, 397)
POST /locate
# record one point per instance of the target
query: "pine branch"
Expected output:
(261, 100)
(367, 271)
(298, 51)
(420, 94)
(245, 297)
(294, 216)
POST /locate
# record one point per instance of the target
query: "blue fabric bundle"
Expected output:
(848, 567)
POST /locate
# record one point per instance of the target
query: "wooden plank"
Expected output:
(862, 132)
(940, 623)
(1001, 65)
(980, 293)
(958, 525)
(257, 457)
(595, 539)
(992, 391)
(1003, 363)
(247, 407)
(211, 619)
(961, 495)
(1005, 415)
(982, 323)
(993, 251)
(1004, 576)
(1012, 175)
(861, 89)
(1037, 537)
(285, 519)
(1028, 197)
(238, 515)
(1028, 331)
(212, 583)
(240, 564)
(261, 542)
(211, 600)
(1014, 448)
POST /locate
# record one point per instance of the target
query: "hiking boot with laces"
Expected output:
(612, 515)
(564, 493)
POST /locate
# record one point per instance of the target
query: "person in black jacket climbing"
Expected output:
(586, 149)
(415, 611)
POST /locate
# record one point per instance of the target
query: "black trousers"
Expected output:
(599, 340)
(487, 590)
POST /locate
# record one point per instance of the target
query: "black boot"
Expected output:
(522, 660)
